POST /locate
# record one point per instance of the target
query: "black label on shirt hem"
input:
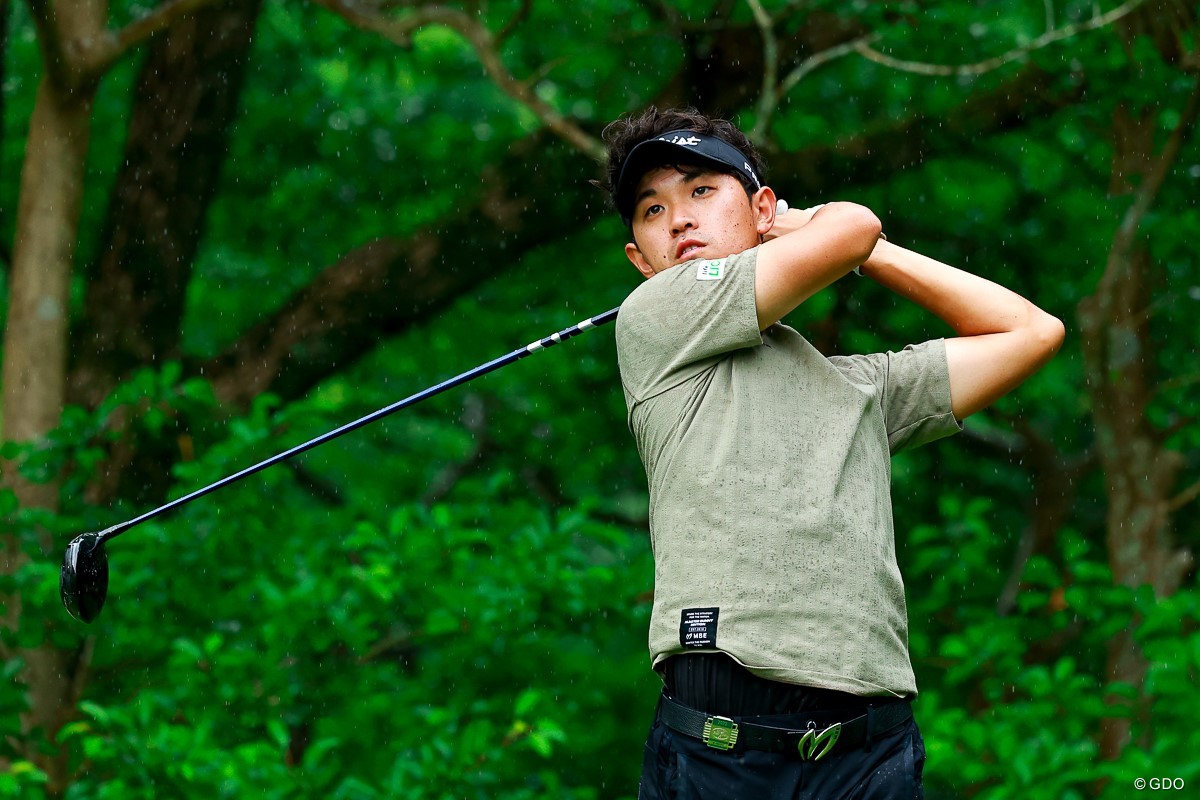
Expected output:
(698, 627)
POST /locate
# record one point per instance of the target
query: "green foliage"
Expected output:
(440, 658)
(453, 602)
(448, 651)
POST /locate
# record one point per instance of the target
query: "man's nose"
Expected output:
(682, 219)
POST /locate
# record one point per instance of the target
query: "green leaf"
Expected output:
(526, 702)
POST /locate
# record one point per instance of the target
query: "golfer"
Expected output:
(779, 624)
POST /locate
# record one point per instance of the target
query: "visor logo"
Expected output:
(750, 172)
(685, 141)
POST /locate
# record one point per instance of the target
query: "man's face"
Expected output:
(699, 213)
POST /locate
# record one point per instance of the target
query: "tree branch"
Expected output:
(1054, 477)
(389, 284)
(768, 97)
(1009, 443)
(517, 18)
(50, 41)
(401, 29)
(474, 419)
(1178, 425)
(720, 73)
(896, 145)
(398, 30)
(1149, 189)
(1120, 255)
(1183, 498)
(398, 644)
(980, 67)
(818, 59)
(97, 56)
(82, 669)
(663, 13)
(1178, 382)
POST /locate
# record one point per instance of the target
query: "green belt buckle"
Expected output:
(814, 746)
(720, 733)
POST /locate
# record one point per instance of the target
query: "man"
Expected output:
(779, 624)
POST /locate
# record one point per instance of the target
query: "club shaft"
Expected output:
(457, 380)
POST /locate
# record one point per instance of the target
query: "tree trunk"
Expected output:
(47, 216)
(5, 12)
(35, 338)
(184, 103)
(34, 367)
(185, 100)
(1140, 472)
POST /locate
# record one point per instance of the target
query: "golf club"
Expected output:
(83, 582)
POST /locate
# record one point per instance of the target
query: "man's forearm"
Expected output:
(1002, 337)
(969, 304)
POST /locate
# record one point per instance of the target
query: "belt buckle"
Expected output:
(720, 733)
(812, 741)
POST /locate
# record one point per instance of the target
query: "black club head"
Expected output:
(83, 581)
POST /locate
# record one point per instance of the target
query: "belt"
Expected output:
(809, 743)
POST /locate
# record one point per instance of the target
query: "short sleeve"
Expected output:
(913, 387)
(679, 322)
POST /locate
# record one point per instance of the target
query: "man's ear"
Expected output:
(763, 205)
(638, 260)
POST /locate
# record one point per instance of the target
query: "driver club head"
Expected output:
(83, 581)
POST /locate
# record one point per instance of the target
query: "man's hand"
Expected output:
(825, 243)
(789, 220)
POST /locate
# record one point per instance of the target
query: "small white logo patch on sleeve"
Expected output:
(712, 270)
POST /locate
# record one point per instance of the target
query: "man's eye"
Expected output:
(652, 210)
(701, 190)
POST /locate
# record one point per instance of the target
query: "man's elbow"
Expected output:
(861, 224)
(1047, 332)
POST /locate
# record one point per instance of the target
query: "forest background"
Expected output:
(226, 227)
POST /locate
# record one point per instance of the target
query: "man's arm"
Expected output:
(1002, 337)
(805, 251)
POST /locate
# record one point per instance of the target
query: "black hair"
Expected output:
(626, 133)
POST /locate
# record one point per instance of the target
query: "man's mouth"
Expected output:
(686, 248)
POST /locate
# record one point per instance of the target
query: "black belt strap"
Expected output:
(811, 743)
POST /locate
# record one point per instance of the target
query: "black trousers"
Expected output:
(679, 767)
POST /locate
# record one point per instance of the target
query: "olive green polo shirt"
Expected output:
(769, 473)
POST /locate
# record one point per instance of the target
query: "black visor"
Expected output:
(677, 147)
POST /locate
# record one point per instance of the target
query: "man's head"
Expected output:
(687, 185)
